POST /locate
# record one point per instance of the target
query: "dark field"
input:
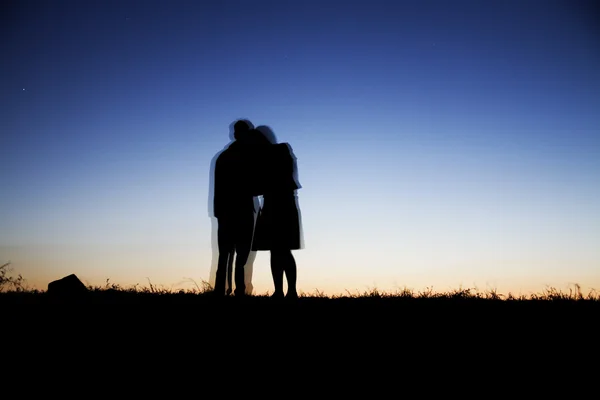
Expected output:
(464, 306)
(458, 336)
(369, 322)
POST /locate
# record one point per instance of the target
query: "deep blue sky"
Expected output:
(438, 142)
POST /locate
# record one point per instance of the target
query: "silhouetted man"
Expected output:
(234, 207)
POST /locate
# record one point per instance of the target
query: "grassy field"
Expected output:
(13, 289)
(140, 294)
(424, 328)
(461, 308)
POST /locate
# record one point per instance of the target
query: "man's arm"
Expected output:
(218, 181)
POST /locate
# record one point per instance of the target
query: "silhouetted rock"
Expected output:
(68, 286)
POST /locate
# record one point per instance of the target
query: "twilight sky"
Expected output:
(439, 143)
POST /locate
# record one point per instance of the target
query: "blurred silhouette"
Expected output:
(234, 207)
(249, 267)
(278, 225)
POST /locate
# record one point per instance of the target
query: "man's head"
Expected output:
(241, 128)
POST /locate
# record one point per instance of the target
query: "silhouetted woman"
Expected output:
(278, 223)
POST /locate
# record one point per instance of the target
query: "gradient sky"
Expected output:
(439, 143)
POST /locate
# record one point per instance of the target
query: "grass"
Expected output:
(463, 335)
(367, 324)
(15, 288)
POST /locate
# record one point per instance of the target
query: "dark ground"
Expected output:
(341, 347)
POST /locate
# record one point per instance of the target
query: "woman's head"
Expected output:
(255, 137)
(267, 133)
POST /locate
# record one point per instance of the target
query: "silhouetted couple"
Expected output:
(254, 165)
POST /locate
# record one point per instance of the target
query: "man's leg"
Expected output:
(245, 232)
(230, 272)
(225, 247)
(219, 288)
(248, 271)
(240, 262)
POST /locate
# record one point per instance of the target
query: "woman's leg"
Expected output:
(290, 274)
(277, 272)
(283, 262)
